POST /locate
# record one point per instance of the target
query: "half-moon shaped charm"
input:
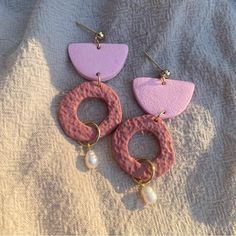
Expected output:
(154, 97)
(88, 60)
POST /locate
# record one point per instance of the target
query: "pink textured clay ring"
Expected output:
(68, 107)
(164, 159)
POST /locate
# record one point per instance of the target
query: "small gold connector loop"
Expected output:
(159, 115)
(98, 79)
(151, 168)
(93, 142)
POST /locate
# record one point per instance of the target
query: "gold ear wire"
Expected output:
(153, 61)
(99, 36)
(85, 27)
(165, 73)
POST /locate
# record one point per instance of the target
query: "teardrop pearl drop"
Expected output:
(91, 160)
(148, 194)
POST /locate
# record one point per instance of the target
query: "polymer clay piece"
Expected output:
(164, 159)
(68, 107)
(154, 97)
(88, 59)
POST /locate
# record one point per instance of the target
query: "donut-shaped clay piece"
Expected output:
(67, 113)
(164, 159)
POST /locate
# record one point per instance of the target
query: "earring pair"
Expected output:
(160, 98)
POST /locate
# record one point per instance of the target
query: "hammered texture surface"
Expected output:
(67, 112)
(163, 160)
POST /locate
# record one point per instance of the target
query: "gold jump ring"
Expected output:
(98, 79)
(151, 167)
(159, 115)
(91, 143)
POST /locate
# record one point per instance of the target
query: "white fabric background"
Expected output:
(44, 186)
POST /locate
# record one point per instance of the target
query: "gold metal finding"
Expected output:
(159, 115)
(165, 73)
(99, 36)
(98, 79)
(85, 27)
(93, 142)
(151, 168)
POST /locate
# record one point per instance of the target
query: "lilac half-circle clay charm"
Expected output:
(154, 97)
(88, 60)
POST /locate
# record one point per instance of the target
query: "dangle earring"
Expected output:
(97, 62)
(161, 98)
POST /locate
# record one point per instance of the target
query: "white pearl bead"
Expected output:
(148, 194)
(91, 160)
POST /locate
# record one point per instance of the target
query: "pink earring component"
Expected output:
(108, 60)
(155, 95)
(162, 99)
(152, 96)
(142, 170)
(147, 123)
(97, 63)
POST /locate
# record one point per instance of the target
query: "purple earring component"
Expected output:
(108, 60)
(163, 94)
(96, 62)
(155, 97)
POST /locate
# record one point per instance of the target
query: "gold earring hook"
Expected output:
(165, 73)
(153, 61)
(86, 27)
(98, 79)
(99, 36)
